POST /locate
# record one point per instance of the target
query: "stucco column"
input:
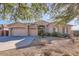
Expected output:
(28, 27)
(9, 32)
(4, 33)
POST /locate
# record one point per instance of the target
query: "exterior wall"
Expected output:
(19, 32)
(33, 30)
(43, 23)
(50, 28)
(65, 29)
(22, 29)
(0, 32)
(69, 30)
(18, 29)
(17, 25)
(59, 28)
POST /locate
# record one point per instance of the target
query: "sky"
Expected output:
(74, 22)
(46, 17)
(6, 21)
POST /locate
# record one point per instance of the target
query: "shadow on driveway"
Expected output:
(11, 38)
(25, 42)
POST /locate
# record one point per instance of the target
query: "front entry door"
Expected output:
(41, 30)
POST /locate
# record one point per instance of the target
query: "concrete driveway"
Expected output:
(15, 42)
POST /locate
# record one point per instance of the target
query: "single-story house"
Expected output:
(25, 29)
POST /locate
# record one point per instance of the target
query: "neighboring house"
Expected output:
(24, 29)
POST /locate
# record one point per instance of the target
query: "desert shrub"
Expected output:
(43, 42)
(65, 35)
(76, 33)
(55, 34)
(47, 52)
(41, 33)
(58, 34)
(47, 34)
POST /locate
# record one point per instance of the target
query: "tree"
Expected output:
(31, 11)
(65, 12)
(60, 12)
(23, 10)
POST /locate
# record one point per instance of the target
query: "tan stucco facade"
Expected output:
(0, 32)
(17, 29)
(43, 23)
(33, 30)
(59, 28)
(21, 29)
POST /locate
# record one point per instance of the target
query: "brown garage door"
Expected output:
(33, 32)
(19, 32)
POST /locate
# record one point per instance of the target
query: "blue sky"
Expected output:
(46, 17)
(6, 21)
(74, 22)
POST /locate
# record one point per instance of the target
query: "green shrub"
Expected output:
(65, 35)
(47, 34)
(76, 33)
(58, 34)
(55, 34)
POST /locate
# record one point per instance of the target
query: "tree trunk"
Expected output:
(72, 37)
(28, 30)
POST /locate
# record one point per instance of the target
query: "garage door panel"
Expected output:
(19, 32)
(33, 32)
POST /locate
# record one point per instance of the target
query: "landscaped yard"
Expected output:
(56, 47)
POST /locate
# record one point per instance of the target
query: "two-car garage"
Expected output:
(19, 32)
(20, 29)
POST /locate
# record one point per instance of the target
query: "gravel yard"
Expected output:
(57, 47)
